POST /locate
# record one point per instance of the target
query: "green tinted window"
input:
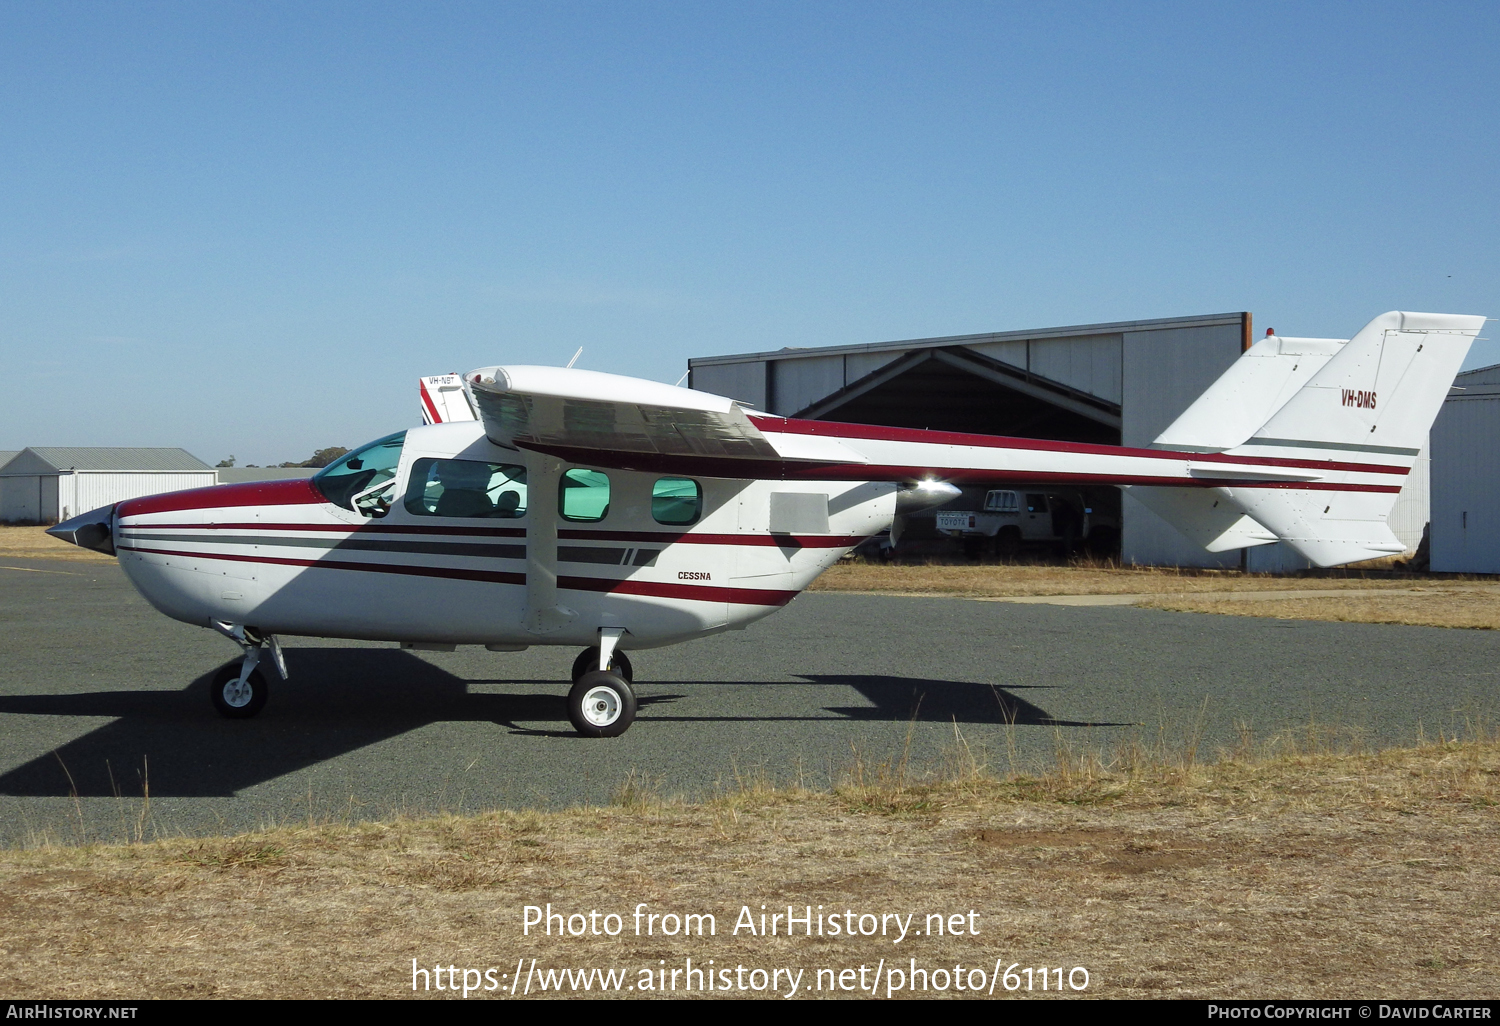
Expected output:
(584, 495)
(466, 488)
(361, 480)
(676, 500)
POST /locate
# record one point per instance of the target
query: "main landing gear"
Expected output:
(602, 703)
(239, 693)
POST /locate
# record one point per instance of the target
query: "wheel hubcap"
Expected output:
(601, 706)
(237, 694)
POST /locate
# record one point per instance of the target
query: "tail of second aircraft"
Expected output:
(1344, 420)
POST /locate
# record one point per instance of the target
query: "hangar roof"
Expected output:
(50, 459)
(1478, 376)
(903, 345)
(6, 455)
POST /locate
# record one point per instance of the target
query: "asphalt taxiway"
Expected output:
(102, 699)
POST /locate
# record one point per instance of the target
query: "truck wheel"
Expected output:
(1008, 543)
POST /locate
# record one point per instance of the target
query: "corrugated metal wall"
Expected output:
(82, 491)
(1164, 371)
(1465, 450)
(48, 497)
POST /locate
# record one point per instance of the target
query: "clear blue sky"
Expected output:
(248, 227)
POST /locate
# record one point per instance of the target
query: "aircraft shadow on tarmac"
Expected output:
(360, 697)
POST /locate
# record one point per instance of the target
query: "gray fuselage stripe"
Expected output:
(1298, 443)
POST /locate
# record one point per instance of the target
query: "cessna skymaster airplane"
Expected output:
(588, 509)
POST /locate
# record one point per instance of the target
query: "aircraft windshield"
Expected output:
(361, 480)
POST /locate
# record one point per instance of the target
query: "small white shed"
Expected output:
(48, 483)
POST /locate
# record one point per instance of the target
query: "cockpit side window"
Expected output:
(466, 488)
(362, 480)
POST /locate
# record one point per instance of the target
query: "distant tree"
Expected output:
(225, 463)
(321, 458)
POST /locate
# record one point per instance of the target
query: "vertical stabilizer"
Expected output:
(443, 399)
(1248, 394)
(1370, 406)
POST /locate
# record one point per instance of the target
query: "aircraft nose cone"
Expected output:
(91, 530)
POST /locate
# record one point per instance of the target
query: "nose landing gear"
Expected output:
(240, 693)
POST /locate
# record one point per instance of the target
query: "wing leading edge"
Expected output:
(589, 416)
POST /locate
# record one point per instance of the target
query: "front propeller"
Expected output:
(92, 530)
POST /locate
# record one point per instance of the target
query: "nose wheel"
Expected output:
(239, 697)
(601, 704)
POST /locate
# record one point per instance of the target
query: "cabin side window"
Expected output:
(583, 495)
(466, 488)
(676, 500)
(362, 480)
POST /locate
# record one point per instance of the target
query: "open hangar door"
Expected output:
(1116, 384)
(958, 389)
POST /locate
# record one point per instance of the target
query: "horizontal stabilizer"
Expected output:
(1329, 528)
(1205, 517)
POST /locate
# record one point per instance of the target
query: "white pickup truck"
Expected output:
(1013, 518)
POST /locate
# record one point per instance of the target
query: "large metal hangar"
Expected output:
(1120, 383)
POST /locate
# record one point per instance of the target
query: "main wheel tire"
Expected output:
(588, 661)
(238, 702)
(601, 704)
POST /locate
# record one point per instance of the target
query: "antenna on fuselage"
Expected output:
(575, 357)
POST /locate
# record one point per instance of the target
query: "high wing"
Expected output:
(611, 420)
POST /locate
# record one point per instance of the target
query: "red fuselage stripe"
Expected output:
(696, 592)
(299, 492)
(875, 433)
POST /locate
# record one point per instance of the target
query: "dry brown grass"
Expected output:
(1083, 578)
(36, 543)
(1293, 875)
(1473, 606)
